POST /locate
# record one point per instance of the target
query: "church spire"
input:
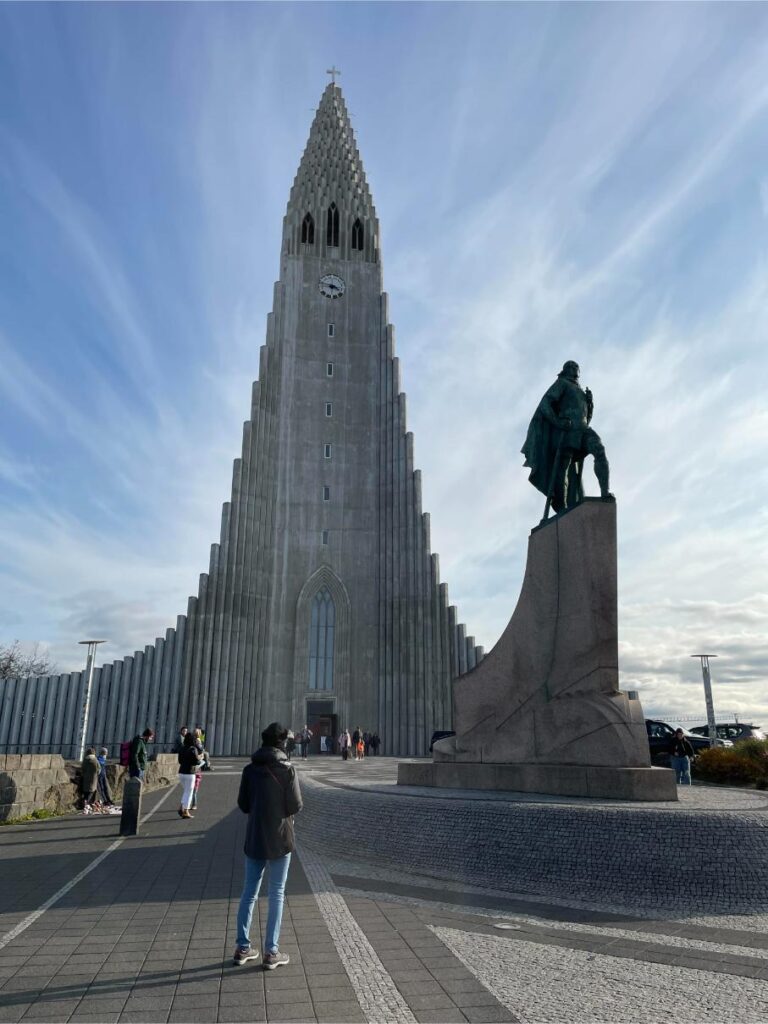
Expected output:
(330, 209)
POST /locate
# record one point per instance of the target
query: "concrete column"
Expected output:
(143, 702)
(240, 602)
(134, 692)
(214, 713)
(233, 600)
(59, 711)
(49, 710)
(111, 732)
(185, 694)
(7, 696)
(123, 724)
(166, 729)
(72, 714)
(153, 701)
(193, 712)
(410, 604)
(214, 597)
(177, 665)
(99, 702)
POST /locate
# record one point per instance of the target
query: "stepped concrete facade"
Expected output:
(322, 602)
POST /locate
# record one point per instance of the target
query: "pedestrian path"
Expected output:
(147, 935)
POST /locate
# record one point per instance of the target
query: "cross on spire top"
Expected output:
(333, 71)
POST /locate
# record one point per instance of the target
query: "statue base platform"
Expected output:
(543, 712)
(549, 779)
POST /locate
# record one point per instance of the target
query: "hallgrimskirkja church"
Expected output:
(322, 602)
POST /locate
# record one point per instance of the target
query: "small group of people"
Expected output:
(94, 784)
(360, 744)
(300, 739)
(194, 759)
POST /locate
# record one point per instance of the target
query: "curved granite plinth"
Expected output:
(546, 700)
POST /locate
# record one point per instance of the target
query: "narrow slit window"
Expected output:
(329, 409)
(332, 226)
(326, 494)
(308, 230)
(331, 330)
(327, 451)
(329, 369)
(357, 235)
(325, 536)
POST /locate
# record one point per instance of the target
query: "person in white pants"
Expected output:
(189, 765)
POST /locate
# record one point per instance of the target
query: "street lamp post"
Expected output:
(711, 724)
(90, 664)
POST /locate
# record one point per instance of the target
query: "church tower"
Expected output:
(322, 603)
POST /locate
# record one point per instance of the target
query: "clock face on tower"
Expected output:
(331, 286)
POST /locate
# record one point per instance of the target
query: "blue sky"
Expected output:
(553, 182)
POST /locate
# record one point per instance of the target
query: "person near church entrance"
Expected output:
(345, 743)
(290, 744)
(90, 780)
(190, 761)
(305, 736)
(366, 742)
(200, 744)
(375, 743)
(138, 760)
(179, 744)
(270, 796)
(680, 756)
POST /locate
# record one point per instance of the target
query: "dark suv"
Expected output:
(733, 731)
(660, 736)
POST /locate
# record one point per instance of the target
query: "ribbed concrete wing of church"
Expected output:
(322, 603)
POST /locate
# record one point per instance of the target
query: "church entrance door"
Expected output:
(324, 725)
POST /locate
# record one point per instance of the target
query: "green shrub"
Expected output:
(732, 764)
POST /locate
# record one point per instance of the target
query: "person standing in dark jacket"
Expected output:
(680, 755)
(270, 796)
(138, 759)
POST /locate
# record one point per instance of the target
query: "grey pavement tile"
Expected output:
(321, 981)
(235, 1014)
(101, 1004)
(473, 998)
(445, 1016)
(342, 1009)
(245, 997)
(415, 988)
(438, 960)
(94, 1018)
(144, 1016)
(488, 1015)
(410, 974)
(200, 1000)
(329, 995)
(318, 970)
(431, 1001)
(292, 1012)
(453, 986)
(246, 980)
(10, 1014)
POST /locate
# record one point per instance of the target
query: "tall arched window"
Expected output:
(357, 235)
(321, 629)
(332, 229)
(308, 230)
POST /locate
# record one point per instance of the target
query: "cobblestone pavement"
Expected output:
(147, 935)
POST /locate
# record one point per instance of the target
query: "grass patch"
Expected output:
(41, 814)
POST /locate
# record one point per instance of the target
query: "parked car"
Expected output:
(440, 734)
(660, 736)
(733, 731)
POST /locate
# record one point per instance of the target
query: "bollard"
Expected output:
(129, 819)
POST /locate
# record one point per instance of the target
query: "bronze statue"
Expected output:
(559, 439)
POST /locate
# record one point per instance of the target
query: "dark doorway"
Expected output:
(324, 725)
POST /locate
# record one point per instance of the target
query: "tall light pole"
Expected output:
(708, 695)
(90, 664)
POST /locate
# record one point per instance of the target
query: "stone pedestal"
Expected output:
(543, 711)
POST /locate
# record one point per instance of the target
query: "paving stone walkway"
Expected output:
(148, 934)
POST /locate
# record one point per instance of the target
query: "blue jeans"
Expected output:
(254, 872)
(682, 769)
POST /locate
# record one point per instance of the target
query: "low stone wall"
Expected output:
(31, 782)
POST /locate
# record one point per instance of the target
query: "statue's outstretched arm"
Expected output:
(590, 404)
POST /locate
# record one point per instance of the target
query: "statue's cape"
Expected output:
(539, 450)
